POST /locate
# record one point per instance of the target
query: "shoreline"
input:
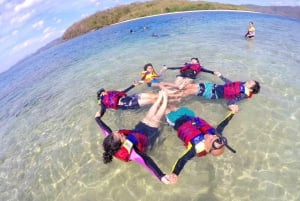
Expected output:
(179, 13)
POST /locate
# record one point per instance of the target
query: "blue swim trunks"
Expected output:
(207, 90)
(152, 82)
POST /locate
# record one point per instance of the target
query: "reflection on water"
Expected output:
(51, 146)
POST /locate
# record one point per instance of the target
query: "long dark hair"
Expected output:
(110, 146)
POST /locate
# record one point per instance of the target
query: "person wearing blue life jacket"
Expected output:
(199, 137)
(231, 91)
(133, 144)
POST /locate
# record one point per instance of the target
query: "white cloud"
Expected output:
(96, 2)
(25, 4)
(15, 32)
(20, 19)
(20, 47)
(38, 25)
(50, 33)
(47, 30)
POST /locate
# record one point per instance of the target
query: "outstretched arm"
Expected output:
(173, 68)
(232, 103)
(147, 162)
(102, 111)
(206, 70)
(224, 78)
(104, 128)
(128, 88)
(224, 123)
(180, 163)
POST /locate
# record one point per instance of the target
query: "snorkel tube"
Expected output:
(220, 128)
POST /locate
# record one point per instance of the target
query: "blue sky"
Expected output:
(27, 25)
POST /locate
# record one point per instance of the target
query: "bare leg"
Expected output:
(190, 89)
(147, 98)
(154, 107)
(161, 110)
(157, 110)
(176, 97)
(182, 82)
(179, 80)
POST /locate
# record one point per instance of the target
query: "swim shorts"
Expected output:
(129, 102)
(151, 133)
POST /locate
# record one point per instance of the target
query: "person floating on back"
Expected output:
(150, 77)
(232, 91)
(198, 137)
(120, 100)
(132, 144)
(189, 72)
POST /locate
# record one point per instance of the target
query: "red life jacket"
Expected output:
(111, 99)
(195, 67)
(193, 127)
(133, 138)
(232, 90)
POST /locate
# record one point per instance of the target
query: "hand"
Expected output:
(97, 114)
(233, 108)
(164, 68)
(169, 179)
(135, 83)
(216, 73)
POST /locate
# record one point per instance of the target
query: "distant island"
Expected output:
(137, 10)
(287, 11)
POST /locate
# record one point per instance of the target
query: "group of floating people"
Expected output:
(198, 136)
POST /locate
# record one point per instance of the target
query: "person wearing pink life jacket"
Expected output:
(198, 137)
(231, 91)
(114, 99)
(133, 144)
(120, 100)
(189, 72)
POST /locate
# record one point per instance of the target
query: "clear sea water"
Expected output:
(51, 146)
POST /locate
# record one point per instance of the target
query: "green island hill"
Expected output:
(137, 10)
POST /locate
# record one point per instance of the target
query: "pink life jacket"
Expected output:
(111, 99)
(195, 67)
(232, 90)
(192, 127)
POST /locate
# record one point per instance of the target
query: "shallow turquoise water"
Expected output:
(51, 146)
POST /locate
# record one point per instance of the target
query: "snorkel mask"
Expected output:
(222, 140)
